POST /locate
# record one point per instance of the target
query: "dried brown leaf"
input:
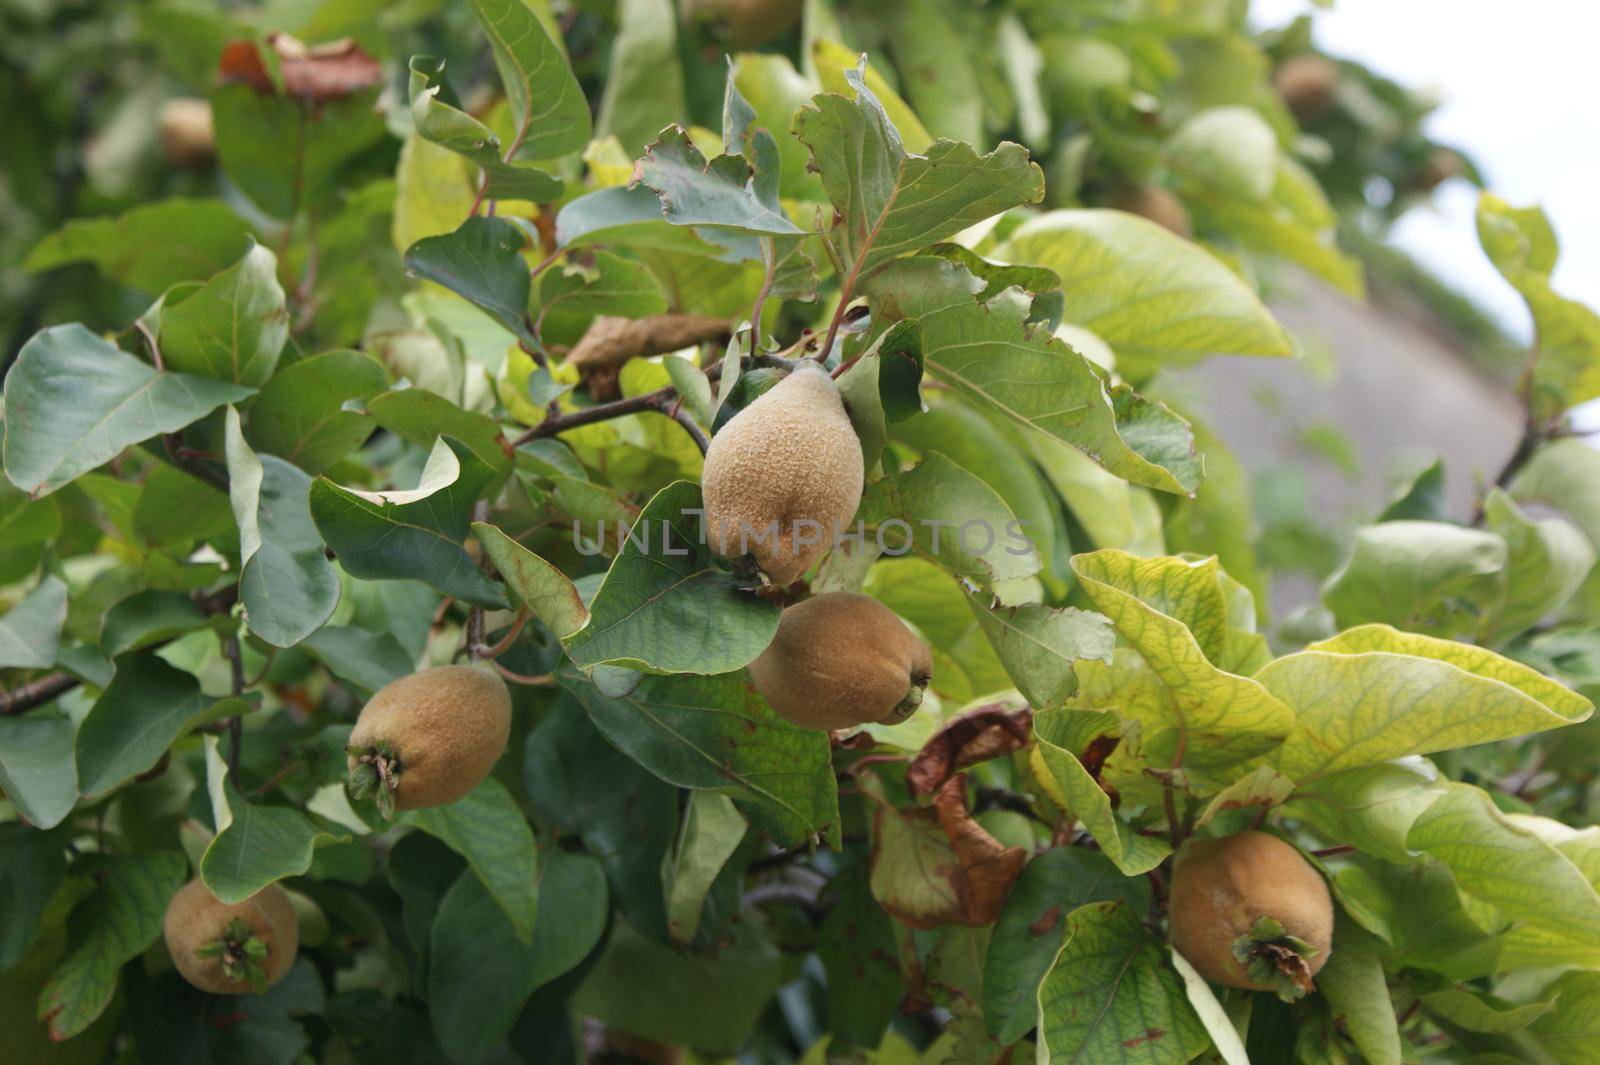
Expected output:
(326, 72)
(982, 733)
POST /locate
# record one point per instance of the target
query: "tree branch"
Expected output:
(1533, 437)
(600, 412)
(52, 685)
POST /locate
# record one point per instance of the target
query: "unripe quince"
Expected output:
(1249, 911)
(430, 738)
(231, 950)
(842, 659)
(784, 476)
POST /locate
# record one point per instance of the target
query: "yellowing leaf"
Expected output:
(1374, 694)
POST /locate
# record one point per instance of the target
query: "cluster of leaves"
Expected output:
(213, 563)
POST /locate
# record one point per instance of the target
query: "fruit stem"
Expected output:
(240, 950)
(377, 773)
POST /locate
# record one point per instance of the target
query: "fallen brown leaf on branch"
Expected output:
(978, 735)
(326, 72)
(610, 342)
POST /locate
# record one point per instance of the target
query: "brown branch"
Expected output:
(600, 412)
(499, 648)
(50, 686)
(696, 434)
(235, 656)
(544, 680)
(1533, 437)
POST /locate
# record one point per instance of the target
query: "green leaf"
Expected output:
(415, 534)
(482, 262)
(1373, 694)
(36, 766)
(1555, 910)
(990, 355)
(1569, 1031)
(288, 587)
(644, 88)
(147, 706)
(1354, 983)
(1482, 1012)
(30, 632)
(300, 415)
(536, 584)
(569, 298)
(626, 816)
(1061, 739)
(666, 605)
(548, 110)
(1110, 995)
(233, 327)
(1547, 562)
(73, 402)
(1030, 930)
(1230, 150)
(1522, 246)
(1201, 719)
(254, 845)
(287, 155)
(888, 201)
(949, 516)
(33, 864)
(421, 416)
(720, 194)
(146, 618)
(717, 733)
(1157, 299)
(1040, 646)
(711, 831)
(1218, 1025)
(366, 659)
(439, 120)
(574, 906)
(152, 246)
(177, 510)
(774, 91)
(937, 62)
(1419, 575)
(1268, 228)
(834, 63)
(114, 924)
(655, 992)
(1562, 474)
(981, 447)
(488, 830)
(1373, 808)
(856, 945)
(479, 971)
(632, 217)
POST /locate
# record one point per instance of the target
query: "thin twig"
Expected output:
(1533, 437)
(696, 434)
(474, 633)
(544, 680)
(499, 648)
(1174, 823)
(277, 778)
(235, 655)
(600, 412)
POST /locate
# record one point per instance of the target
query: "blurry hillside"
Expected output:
(1330, 438)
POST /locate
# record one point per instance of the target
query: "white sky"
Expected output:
(1521, 90)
